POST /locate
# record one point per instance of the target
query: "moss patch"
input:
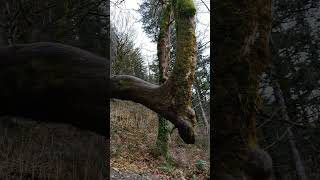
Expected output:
(185, 7)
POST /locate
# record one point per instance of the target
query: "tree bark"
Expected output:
(241, 36)
(162, 143)
(60, 83)
(54, 82)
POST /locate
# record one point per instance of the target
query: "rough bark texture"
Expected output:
(172, 100)
(163, 42)
(182, 75)
(162, 144)
(241, 36)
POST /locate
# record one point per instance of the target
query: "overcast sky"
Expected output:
(128, 9)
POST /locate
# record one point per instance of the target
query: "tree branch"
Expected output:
(60, 83)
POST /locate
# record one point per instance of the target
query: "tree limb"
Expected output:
(60, 83)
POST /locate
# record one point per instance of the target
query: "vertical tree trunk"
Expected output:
(296, 155)
(203, 114)
(284, 114)
(241, 36)
(162, 144)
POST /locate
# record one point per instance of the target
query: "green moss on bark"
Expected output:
(162, 144)
(185, 7)
(183, 72)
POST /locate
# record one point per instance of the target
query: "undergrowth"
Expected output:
(33, 151)
(134, 129)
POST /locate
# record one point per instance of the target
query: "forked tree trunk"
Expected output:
(241, 52)
(60, 83)
(172, 100)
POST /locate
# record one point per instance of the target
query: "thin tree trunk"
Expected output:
(203, 114)
(296, 155)
(284, 114)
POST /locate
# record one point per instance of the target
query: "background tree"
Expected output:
(241, 54)
(295, 56)
(126, 59)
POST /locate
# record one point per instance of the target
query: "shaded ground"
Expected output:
(117, 174)
(133, 136)
(34, 151)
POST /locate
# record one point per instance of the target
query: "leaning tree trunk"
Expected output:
(162, 143)
(284, 114)
(54, 82)
(241, 37)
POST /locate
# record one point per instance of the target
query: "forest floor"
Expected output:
(36, 151)
(133, 137)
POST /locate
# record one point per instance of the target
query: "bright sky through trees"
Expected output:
(127, 19)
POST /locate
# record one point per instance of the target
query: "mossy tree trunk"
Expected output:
(164, 128)
(241, 52)
(174, 96)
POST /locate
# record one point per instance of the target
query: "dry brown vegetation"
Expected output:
(133, 136)
(29, 150)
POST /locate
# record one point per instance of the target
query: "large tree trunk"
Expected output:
(172, 100)
(241, 36)
(60, 83)
(54, 82)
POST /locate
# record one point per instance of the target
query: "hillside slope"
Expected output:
(133, 137)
